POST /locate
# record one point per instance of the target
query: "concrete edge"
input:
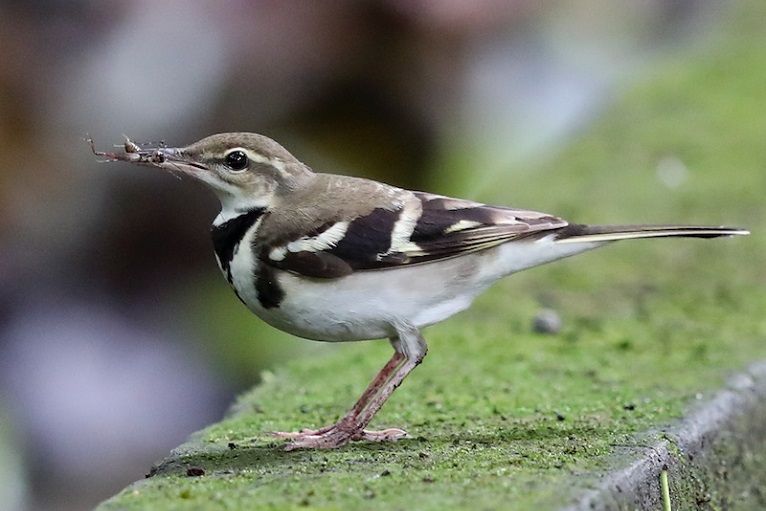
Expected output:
(715, 456)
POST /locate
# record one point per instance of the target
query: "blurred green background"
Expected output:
(118, 337)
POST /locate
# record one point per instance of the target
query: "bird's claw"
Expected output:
(336, 436)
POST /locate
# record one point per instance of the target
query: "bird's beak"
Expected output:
(174, 158)
(169, 158)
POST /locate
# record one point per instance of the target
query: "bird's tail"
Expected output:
(602, 233)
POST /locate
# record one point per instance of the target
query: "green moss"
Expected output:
(503, 417)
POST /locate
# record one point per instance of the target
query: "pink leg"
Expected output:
(351, 427)
(372, 389)
(382, 377)
(377, 402)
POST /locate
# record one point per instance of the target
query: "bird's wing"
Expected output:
(422, 228)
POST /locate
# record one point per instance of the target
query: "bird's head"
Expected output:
(245, 170)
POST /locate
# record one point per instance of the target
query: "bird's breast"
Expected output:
(235, 250)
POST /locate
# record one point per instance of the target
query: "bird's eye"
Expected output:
(236, 160)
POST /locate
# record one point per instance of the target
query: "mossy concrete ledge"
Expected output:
(714, 458)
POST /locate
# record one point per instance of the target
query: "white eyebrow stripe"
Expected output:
(259, 158)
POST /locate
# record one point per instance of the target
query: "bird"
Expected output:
(339, 258)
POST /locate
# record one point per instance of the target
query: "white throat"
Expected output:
(234, 206)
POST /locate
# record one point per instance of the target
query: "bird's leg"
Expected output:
(412, 348)
(414, 355)
(383, 375)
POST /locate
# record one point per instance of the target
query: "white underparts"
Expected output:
(243, 265)
(259, 158)
(234, 205)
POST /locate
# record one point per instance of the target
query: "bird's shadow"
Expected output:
(269, 455)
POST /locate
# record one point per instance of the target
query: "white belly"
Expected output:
(365, 304)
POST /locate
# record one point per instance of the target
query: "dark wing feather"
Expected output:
(315, 264)
(450, 227)
(439, 228)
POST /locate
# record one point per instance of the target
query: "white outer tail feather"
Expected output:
(591, 234)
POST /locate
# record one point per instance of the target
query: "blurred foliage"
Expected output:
(12, 489)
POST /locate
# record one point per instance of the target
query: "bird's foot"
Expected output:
(298, 435)
(337, 435)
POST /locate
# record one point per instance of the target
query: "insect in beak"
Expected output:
(133, 153)
(168, 158)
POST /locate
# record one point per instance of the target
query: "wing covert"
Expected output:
(424, 228)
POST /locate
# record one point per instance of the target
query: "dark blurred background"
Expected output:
(118, 337)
